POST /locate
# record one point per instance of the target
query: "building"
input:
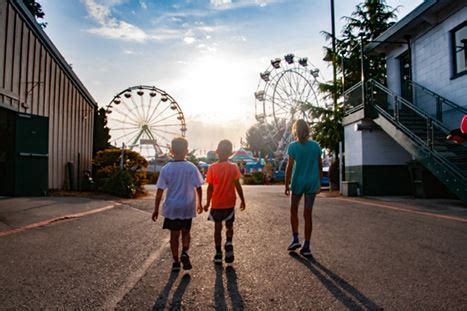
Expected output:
(46, 113)
(409, 118)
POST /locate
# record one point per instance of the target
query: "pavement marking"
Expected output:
(112, 302)
(57, 219)
(403, 209)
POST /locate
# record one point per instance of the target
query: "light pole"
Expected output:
(334, 69)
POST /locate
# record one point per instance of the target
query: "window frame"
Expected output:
(452, 35)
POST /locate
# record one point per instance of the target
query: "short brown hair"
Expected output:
(301, 131)
(179, 145)
(225, 147)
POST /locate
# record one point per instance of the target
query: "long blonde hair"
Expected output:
(301, 131)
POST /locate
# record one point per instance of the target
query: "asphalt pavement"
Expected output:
(369, 254)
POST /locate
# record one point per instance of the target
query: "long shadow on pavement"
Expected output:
(178, 294)
(348, 295)
(232, 287)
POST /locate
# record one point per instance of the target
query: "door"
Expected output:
(405, 63)
(31, 155)
(7, 151)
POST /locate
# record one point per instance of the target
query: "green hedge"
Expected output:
(128, 182)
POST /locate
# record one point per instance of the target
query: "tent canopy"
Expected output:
(241, 154)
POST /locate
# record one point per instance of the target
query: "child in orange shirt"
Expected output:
(223, 178)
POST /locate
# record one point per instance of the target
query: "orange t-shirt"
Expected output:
(222, 175)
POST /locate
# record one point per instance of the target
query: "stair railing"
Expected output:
(393, 106)
(437, 106)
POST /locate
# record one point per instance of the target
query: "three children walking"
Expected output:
(183, 182)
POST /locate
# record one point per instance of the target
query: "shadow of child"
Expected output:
(232, 287)
(344, 292)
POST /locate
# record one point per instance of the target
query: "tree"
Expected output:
(370, 19)
(36, 10)
(191, 157)
(259, 140)
(101, 136)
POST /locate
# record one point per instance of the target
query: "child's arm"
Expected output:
(240, 194)
(155, 214)
(208, 200)
(288, 174)
(199, 191)
(320, 168)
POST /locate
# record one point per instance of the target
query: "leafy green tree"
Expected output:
(370, 19)
(191, 157)
(101, 136)
(36, 10)
(259, 139)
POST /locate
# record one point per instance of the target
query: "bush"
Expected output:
(127, 182)
(152, 177)
(255, 178)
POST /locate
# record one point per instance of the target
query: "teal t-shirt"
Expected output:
(305, 173)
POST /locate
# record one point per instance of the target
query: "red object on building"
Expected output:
(464, 125)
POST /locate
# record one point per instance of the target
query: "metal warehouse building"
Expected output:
(46, 113)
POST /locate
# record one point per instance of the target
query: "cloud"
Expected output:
(143, 5)
(229, 4)
(189, 40)
(110, 27)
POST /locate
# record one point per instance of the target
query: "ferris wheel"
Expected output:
(285, 91)
(145, 119)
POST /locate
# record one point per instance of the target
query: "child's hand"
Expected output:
(155, 214)
(199, 208)
(242, 206)
(287, 190)
(206, 207)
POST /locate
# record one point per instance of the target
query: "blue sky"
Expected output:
(206, 54)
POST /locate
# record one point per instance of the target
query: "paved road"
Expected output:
(369, 254)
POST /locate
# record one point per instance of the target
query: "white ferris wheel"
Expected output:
(145, 119)
(285, 90)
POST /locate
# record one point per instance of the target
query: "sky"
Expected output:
(207, 54)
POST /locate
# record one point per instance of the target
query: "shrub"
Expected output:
(255, 178)
(152, 177)
(127, 182)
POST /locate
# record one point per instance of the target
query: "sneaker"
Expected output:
(218, 257)
(229, 253)
(293, 246)
(176, 266)
(306, 252)
(185, 259)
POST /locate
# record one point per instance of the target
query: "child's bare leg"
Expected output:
(308, 223)
(186, 238)
(174, 244)
(294, 217)
(218, 234)
(229, 231)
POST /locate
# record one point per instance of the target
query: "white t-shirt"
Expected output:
(180, 178)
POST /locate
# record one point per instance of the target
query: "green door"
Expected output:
(31, 155)
(7, 151)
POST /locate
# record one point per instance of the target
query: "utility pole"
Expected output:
(334, 69)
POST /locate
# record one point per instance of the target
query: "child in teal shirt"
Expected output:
(303, 173)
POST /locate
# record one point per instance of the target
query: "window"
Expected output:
(459, 50)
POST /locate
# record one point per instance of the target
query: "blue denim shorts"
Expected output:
(309, 199)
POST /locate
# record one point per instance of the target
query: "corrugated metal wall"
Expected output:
(34, 79)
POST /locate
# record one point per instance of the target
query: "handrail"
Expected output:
(409, 104)
(434, 94)
(351, 89)
(417, 140)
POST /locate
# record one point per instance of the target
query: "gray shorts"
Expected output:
(309, 199)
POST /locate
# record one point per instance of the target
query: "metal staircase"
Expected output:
(422, 130)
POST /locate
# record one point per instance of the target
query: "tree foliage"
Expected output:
(36, 10)
(370, 19)
(101, 136)
(261, 138)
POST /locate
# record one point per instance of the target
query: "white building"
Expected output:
(409, 118)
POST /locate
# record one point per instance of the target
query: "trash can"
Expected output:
(350, 188)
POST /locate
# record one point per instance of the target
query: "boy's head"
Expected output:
(179, 147)
(301, 131)
(224, 149)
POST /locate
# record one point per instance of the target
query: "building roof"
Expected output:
(397, 30)
(52, 49)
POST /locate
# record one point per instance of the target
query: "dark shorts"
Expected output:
(222, 214)
(309, 199)
(177, 224)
